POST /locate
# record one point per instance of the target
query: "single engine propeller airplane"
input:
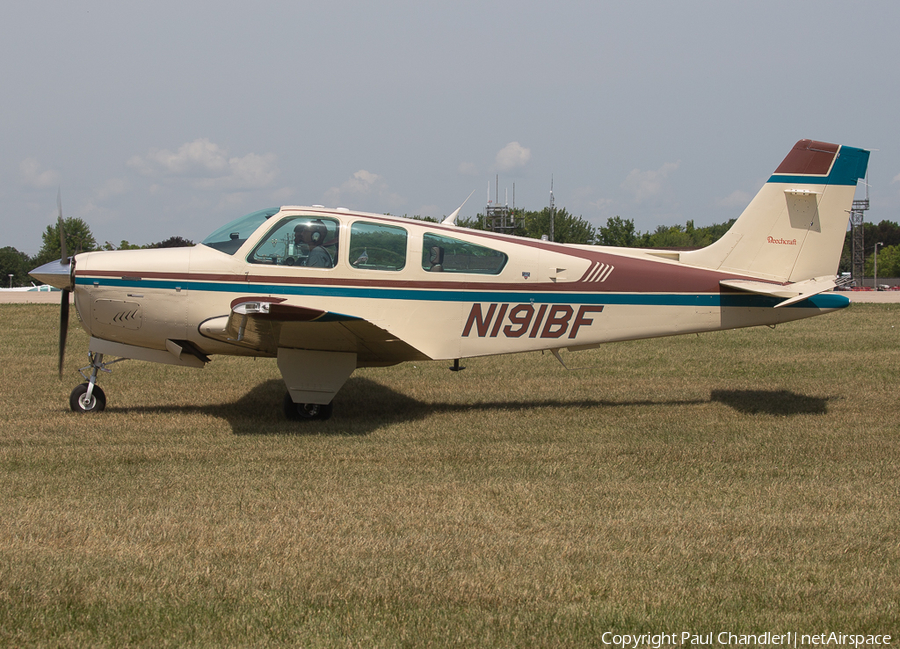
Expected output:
(326, 291)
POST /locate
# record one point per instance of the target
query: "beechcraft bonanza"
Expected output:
(325, 291)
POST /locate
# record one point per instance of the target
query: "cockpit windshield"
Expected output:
(231, 236)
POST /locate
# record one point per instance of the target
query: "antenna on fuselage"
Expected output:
(451, 220)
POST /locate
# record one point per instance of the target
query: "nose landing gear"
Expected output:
(88, 397)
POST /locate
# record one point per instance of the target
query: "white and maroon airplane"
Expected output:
(328, 290)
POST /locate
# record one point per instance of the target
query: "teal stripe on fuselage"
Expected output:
(706, 300)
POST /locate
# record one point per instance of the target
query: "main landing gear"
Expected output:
(88, 397)
(305, 411)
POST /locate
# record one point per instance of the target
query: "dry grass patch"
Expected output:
(740, 481)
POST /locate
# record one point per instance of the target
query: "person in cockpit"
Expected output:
(313, 234)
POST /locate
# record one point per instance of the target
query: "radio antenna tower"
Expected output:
(501, 218)
(552, 213)
(858, 255)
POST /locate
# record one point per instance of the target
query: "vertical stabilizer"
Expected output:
(794, 229)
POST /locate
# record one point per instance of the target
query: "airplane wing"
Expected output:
(268, 324)
(790, 293)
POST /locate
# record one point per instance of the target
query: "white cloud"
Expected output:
(644, 184)
(430, 210)
(206, 165)
(737, 198)
(34, 175)
(283, 195)
(584, 199)
(362, 182)
(112, 187)
(96, 209)
(896, 179)
(467, 169)
(362, 186)
(512, 156)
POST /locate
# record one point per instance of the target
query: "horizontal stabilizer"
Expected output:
(790, 293)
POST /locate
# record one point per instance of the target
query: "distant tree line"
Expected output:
(78, 239)
(620, 232)
(887, 233)
(567, 228)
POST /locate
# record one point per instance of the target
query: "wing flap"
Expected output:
(267, 324)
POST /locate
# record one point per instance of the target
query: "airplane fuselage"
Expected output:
(545, 295)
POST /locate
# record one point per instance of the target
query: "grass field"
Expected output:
(742, 482)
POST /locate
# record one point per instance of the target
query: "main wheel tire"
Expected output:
(79, 402)
(305, 411)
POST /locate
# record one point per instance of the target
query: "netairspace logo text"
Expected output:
(727, 639)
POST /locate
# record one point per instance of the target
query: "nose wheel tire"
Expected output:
(80, 402)
(305, 411)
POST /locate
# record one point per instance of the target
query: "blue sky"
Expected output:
(171, 118)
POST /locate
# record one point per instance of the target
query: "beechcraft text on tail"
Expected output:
(325, 291)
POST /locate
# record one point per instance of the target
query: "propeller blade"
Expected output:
(63, 328)
(64, 257)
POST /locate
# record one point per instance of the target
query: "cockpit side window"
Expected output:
(309, 241)
(374, 246)
(232, 236)
(446, 254)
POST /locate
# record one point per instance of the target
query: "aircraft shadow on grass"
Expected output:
(366, 405)
(771, 402)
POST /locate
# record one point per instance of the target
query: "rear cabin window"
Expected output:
(442, 254)
(374, 246)
(299, 241)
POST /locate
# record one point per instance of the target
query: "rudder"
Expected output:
(794, 229)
